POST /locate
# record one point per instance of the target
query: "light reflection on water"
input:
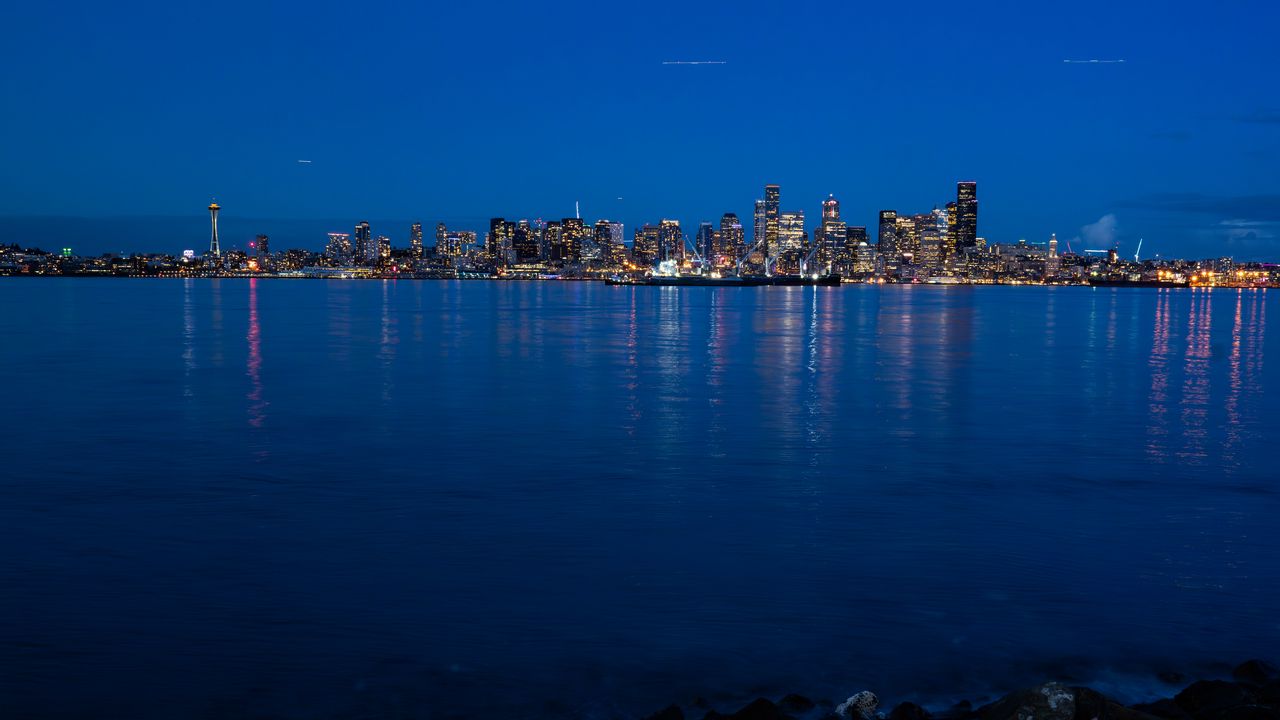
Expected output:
(329, 497)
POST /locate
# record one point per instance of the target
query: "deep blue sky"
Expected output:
(459, 111)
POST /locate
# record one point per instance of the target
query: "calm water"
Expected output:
(305, 498)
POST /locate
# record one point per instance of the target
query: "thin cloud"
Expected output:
(1100, 234)
(1244, 207)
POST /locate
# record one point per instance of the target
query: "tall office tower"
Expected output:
(498, 242)
(758, 229)
(645, 245)
(791, 235)
(574, 233)
(384, 248)
(415, 240)
(909, 238)
(214, 248)
(927, 229)
(772, 198)
(733, 241)
(442, 241)
(832, 236)
(887, 236)
(704, 241)
(553, 239)
(670, 240)
(949, 243)
(1052, 263)
(262, 245)
(338, 248)
(617, 243)
(966, 214)
(366, 251)
(524, 241)
(855, 245)
(603, 239)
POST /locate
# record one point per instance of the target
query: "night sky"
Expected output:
(122, 120)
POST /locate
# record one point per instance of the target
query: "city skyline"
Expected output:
(876, 107)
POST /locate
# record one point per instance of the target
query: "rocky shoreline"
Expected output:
(1252, 693)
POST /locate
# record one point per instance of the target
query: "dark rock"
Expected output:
(1093, 705)
(1256, 673)
(908, 711)
(1205, 699)
(758, 709)
(1269, 694)
(1167, 709)
(1051, 701)
(962, 710)
(1249, 712)
(794, 703)
(671, 712)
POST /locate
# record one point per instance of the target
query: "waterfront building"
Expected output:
(966, 235)
(758, 230)
(497, 243)
(553, 241)
(617, 243)
(887, 240)
(524, 243)
(646, 244)
(732, 239)
(772, 218)
(670, 240)
(705, 242)
(338, 249)
(831, 237)
(366, 252)
(574, 232)
(792, 237)
(415, 240)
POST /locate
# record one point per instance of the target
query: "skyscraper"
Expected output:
(214, 248)
(338, 248)
(887, 238)
(553, 240)
(442, 237)
(670, 240)
(525, 243)
(704, 242)
(383, 249)
(574, 232)
(645, 245)
(758, 232)
(365, 250)
(791, 236)
(617, 243)
(733, 242)
(498, 242)
(262, 246)
(832, 236)
(772, 200)
(966, 214)
(415, 240)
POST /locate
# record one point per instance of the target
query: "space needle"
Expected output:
(213, 220)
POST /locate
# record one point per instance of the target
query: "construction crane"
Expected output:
(804, 264)
(1135, 252)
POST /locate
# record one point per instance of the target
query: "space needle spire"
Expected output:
(213, 221)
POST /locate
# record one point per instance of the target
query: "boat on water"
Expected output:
(726, 281)
(1100, 282)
